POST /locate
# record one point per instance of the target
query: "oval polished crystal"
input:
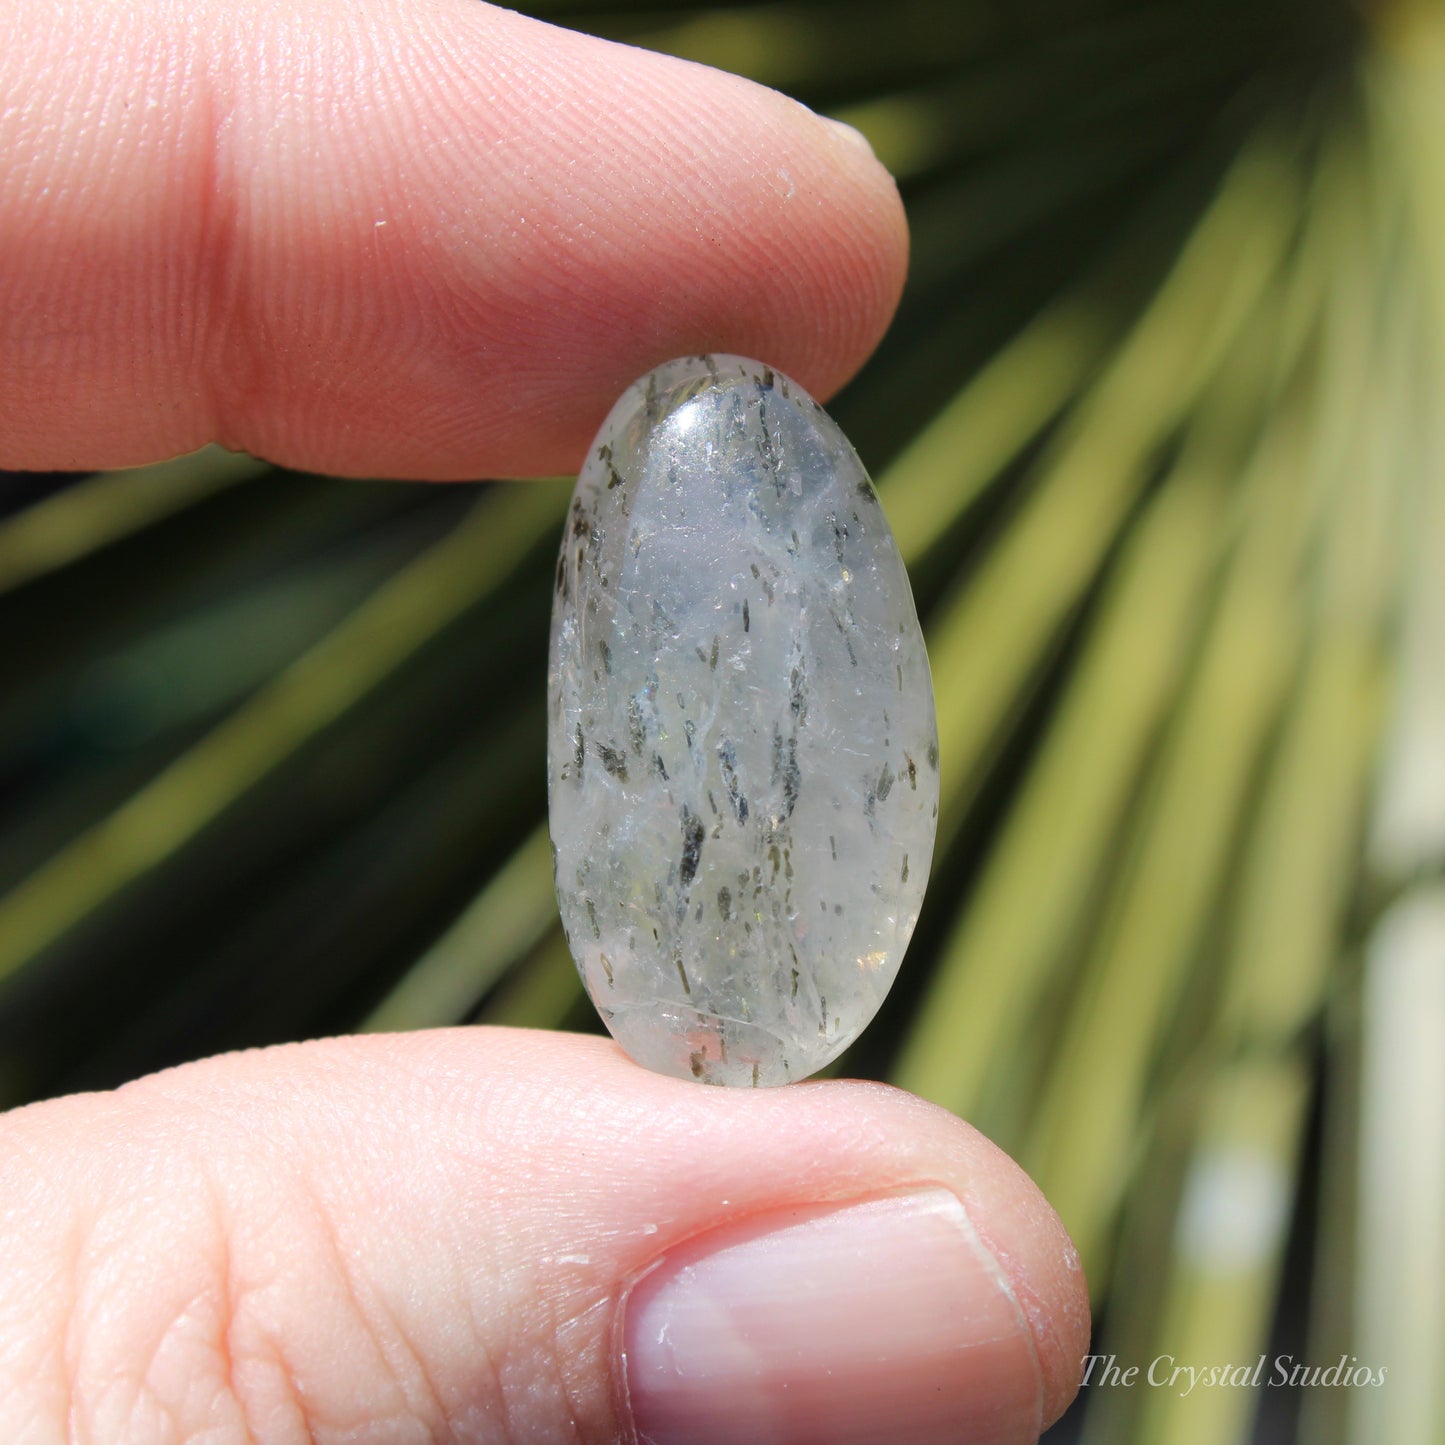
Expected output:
(742, 749)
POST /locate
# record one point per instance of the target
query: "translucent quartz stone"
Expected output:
(742, 749)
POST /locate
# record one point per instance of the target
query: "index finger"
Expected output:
(427, 240)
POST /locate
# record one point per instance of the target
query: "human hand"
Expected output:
(472, 1234)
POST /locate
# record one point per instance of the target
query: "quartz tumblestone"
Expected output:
(742, 749)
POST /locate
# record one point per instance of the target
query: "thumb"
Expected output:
(495, 1235)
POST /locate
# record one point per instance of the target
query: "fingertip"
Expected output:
(864, 1135)
(695, 211)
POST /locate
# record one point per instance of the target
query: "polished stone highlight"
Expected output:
(742, 749)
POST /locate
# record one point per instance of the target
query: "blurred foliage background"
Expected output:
(1159, 428)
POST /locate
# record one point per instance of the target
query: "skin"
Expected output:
(433, 240)
(430, 239)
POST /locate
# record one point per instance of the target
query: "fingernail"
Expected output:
(850, 133)
(885, 1320)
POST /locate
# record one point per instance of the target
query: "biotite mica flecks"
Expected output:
(742, 749)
